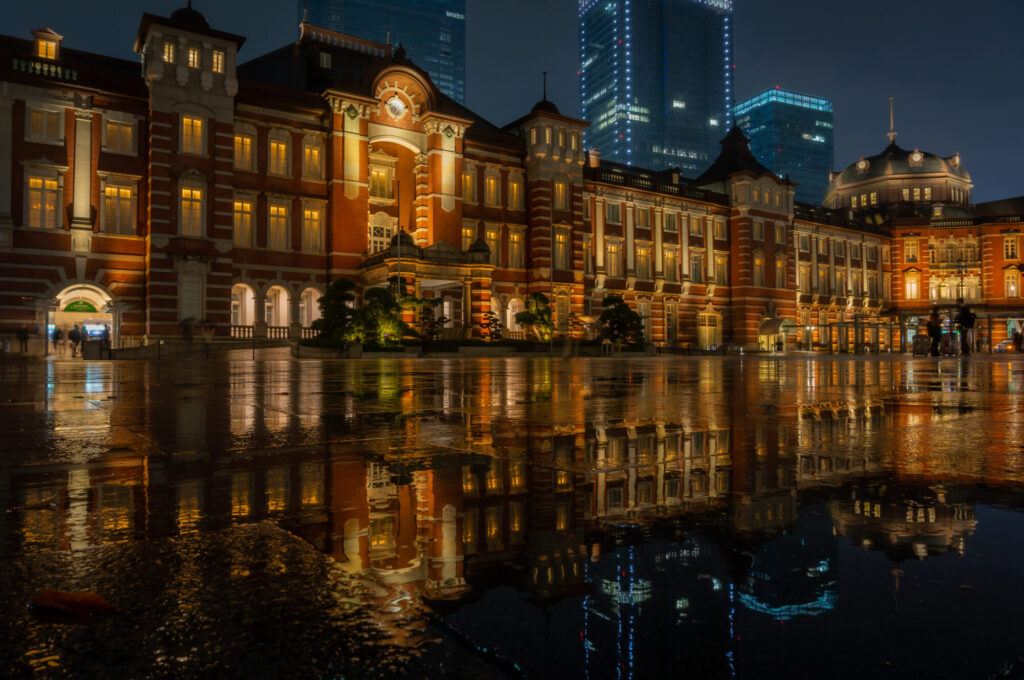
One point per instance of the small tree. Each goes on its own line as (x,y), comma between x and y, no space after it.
(537,317)
(430,323)
(575,325)
(335,310)
(378,320)
(492,326)
(621,324)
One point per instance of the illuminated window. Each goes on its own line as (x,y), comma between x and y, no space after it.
(1012,284)
(168,52)
(243,152)
(805,243)
(874,198)
(381,185)
(913,287)
(547,135)
(277,227)
(118,137)
(492,193)
(469,485)
(193,57)
(719,230)
(312,161)
(515,194)
(561,200)
(242,220)
(588,254)
(906,194)
(780,233)
(757,195)
(45,126)
(192,135)
(42,202)
(561,254)
(643,262)
(312,230)
(695,225)
(218,61)
(927,193)
(515,249)
(468,237)
(759,270)
(493,237)
(671,265)
(917,193)
(311,484)
(910,251)
(805,279)
(191,211)
(780,271)
(469,185)
(118,209)
(671,222)
(46,49)
(778,199)
(278,163)
(613,259)
(853,201)
(758,230)
(643,218)
(722,269)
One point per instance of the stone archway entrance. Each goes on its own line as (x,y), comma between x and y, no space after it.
(87,307)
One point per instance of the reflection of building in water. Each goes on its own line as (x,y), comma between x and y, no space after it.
(904,521)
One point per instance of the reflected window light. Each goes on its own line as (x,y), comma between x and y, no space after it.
(277,489)
(241,494)
(190,505)
(114,511)
(311,484)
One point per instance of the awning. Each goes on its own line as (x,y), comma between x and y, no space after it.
(772,326)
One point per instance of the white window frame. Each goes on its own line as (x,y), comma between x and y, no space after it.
(469,182)
(313,214)
(613,257)
(284,243)
(194,57)
(120,125)
(312,143)
(671,264)
(516,247)
(190,146)
(492,180)
(236,231)
(644,261)
(516,187)
(43,137)
(613,212)
(218,61)
(1011,248)
(561,248)
(492,235)
(119,183)
(279,165)
(191,228)
(244,159)
(44,172)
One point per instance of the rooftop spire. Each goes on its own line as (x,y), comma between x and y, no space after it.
(545,90)
(892,124)
(305,11)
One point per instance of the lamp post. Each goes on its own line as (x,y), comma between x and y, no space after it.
(961,269)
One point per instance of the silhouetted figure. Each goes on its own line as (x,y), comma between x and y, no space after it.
(22,334)
(74,337)
(935,330)
(965,319)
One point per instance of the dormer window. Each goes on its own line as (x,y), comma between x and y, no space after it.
(47,43)
(218,61)
(168,52)
(193,57)
(325,60)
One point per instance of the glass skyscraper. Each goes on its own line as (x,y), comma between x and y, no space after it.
(656,80)
(433,32)
(791,134)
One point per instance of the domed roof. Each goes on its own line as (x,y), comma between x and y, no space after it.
(186,17)
(545,106)
(896,161)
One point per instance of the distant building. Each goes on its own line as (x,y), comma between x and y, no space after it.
(433,32)
(791,134)
(656,80)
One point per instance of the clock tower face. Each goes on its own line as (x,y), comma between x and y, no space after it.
(396,106)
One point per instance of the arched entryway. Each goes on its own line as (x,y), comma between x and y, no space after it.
(309,310)
(709,328)
(515,305)
(277,300)
(773,334)
(243,310)
(88,308)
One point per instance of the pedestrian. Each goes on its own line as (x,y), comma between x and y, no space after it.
(105,340)
(56,338)
(1018,341)
(935,330)
(22,334)
(74,337)
(965,319)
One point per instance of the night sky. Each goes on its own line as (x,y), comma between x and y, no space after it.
(955,68)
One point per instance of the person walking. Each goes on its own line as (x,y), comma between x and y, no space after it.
(56,338)
(965,319)
(935,330)
(74,337)
(22,334)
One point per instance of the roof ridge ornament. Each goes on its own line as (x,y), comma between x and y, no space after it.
(892,123)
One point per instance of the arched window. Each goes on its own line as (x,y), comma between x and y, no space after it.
(382,228)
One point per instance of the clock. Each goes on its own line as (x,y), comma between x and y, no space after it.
(396,106)
(862,165)
(916,157)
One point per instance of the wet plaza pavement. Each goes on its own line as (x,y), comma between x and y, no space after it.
(581,518)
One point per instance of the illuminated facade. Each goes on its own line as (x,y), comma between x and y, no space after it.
(432,31)
(656,80)
(235,194)
(791,134)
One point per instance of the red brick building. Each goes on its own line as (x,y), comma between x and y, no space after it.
(200,188)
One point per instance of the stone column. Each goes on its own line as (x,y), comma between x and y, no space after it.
(294,322)
(815,284)
(259,308)
(684,249)
(709,259)
(81,206)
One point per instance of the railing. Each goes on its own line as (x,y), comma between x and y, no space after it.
(277,332)
(308,333)
(241,332)
(39,68)
(514,335)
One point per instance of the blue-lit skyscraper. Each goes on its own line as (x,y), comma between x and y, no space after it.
(656,80)
(433,32)
(791,134)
